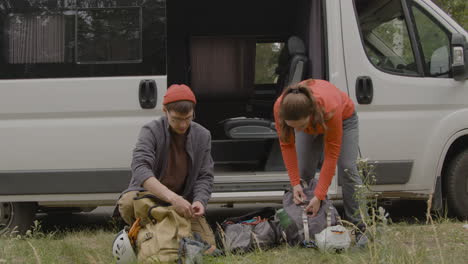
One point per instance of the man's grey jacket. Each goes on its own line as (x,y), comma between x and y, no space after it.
(151,153)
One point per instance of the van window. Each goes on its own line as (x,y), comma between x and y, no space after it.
(435,45)
(88,38)
(385,36)
(108,35)
(266,62)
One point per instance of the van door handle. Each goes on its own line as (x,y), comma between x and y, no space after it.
(148,94)
(364,90)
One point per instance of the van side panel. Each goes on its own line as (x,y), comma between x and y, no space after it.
(76,77)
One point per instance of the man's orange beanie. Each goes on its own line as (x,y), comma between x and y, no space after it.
(178,92)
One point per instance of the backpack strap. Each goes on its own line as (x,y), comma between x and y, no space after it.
(152,197)
(308,242)
(328,210)
(338,218)
(305,223)
(305,220)
(150,216)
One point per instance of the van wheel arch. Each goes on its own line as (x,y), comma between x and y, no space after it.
(458,146)
(456,184)
(16,216)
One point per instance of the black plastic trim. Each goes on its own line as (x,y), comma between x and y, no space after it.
(115,181)
(101,181)
(325,62)
(64,181)
(391,172)
(412,34)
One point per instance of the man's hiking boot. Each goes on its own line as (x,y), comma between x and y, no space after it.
(362,238)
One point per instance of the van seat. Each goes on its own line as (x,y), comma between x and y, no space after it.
(292,63)
(291,70)
(249,128)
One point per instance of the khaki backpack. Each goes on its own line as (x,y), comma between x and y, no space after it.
(162,229)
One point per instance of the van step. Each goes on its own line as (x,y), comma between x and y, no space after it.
(250,182)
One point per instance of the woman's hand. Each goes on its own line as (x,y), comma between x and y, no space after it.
(313,206)
(299,196)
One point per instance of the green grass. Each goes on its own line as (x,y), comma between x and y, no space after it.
(398,243)
(65,247)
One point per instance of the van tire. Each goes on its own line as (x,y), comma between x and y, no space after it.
(457,185)
(16,217)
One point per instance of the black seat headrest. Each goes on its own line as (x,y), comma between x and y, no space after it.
(296,45)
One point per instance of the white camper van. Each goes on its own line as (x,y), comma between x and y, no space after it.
(78,79)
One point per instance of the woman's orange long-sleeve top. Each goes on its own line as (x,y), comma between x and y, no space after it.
(336,103)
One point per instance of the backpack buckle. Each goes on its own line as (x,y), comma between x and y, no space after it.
(309,244)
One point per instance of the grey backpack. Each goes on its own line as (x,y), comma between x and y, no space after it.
(297,227)
(244,233)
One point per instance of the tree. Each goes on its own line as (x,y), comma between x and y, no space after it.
(457,9)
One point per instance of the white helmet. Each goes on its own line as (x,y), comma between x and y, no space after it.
(333,238)
(122,249)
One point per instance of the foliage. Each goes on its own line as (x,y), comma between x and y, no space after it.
(457,9)
(266,61)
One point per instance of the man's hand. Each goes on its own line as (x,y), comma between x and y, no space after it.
(299,196)
(182,206)
(313,206)
(198,209)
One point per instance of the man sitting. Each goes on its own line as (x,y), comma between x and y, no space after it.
(172,160)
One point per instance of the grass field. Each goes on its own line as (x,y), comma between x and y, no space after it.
(444,242)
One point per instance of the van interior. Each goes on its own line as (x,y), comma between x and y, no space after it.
(237,61)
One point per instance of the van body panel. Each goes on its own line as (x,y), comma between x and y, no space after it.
(402,106)
(336,59)
(446,131)
(76,126)
(336,65)
(447,146)
(75,96)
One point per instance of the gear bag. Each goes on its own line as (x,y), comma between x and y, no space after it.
(162,229)
(297,227)
(247,232)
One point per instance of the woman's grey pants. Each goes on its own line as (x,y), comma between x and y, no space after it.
(309,150)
